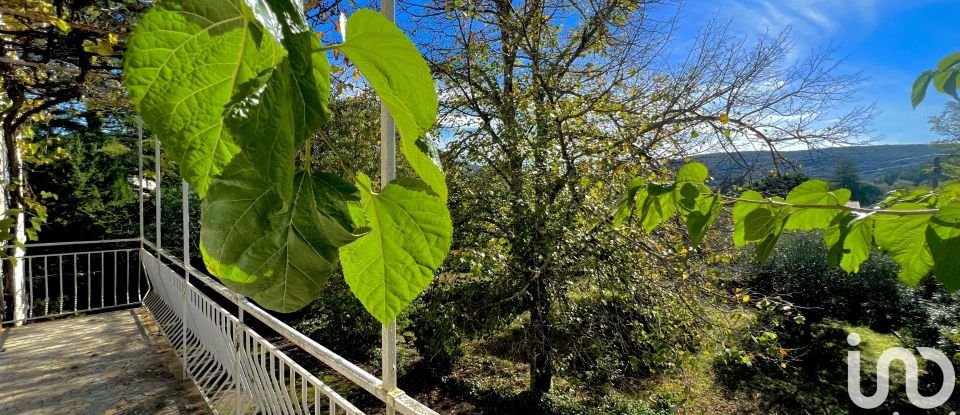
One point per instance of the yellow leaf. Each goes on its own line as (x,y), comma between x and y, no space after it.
(746,298)
(103,47)
(724,118)
(60,24)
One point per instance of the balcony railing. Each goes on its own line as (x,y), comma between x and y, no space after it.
(223,355)
(62,279)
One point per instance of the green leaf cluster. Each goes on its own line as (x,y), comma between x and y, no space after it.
(920,230)
(233,89)
(654,203)
(944,79)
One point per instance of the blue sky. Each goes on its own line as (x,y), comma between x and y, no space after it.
(890,41)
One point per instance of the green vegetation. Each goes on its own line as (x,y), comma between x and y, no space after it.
(874,162)
(586,271)
(256,89)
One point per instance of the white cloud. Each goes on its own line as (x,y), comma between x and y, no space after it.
(809,18)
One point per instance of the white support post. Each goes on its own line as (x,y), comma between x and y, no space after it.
(388,171)
(186,267)
(238,353)
(156,189)
(141,183)
(140,179)
(186,228)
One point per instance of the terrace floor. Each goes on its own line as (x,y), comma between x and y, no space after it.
(110,363)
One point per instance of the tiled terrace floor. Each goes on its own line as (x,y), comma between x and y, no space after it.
(108,363)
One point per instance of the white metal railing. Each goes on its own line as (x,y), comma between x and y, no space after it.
(236,369)
(77,277)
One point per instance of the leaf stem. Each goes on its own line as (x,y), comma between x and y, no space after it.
(326,48)
(338,156)
(868,211)
(308,156)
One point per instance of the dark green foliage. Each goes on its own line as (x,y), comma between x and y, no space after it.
(92,173)
(873,161)
(846,175)
(777,184)
(437,336)
(339,321)
(872,302)
(171,218)
(611,337)
(817,383)
(798,271)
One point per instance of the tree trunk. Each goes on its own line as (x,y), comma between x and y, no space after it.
(11,197)
(541,356)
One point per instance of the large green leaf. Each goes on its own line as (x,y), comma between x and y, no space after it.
(693,173)
(288,103)
(815,193)
(765,247)
(184,62)
(656,203)
(701,214)
(409,238)
(285,21)
(834,235)
(628,202)
(758,222)
(850,241)
(904,238)
(943,237)
(949,61)
(395,69)
(270,123)
(858,244)
(945,81)
(747,206)
(279,259)
(740,211)
(920,85)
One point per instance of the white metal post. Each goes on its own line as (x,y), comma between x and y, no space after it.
(186,267)
(388,171)
(140,180)
(156,189)
(239,350)
(186,229)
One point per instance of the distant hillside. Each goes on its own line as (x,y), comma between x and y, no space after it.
(873,161)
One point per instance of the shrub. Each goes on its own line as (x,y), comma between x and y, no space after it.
(798,271)
(614,335)
(436,335)
(339,321)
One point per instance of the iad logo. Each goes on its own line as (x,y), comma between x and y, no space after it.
(883,376)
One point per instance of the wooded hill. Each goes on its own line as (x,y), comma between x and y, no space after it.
(872,161)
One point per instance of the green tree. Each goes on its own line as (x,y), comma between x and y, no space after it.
(55,55)
(260,85)
(778,184)
(946,124)
(93,179)
(846,175)
(542,100)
